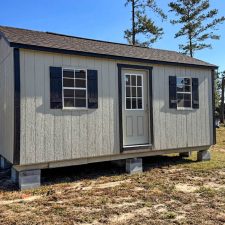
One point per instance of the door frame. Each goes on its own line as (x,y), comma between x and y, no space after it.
(151,136)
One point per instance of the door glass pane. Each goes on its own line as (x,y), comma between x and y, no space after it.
(128,103)
(127,91)
(134,94)
(139,92)
(127,80)
(139,81)
(140,103)
(133,80)
(134,103)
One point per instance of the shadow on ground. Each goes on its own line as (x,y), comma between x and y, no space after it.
(91,171)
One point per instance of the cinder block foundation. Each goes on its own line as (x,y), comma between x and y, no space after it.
(26,179)
(4,164)
(134,165)
(185,154)
(203,155)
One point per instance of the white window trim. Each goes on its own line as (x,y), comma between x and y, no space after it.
(74,108)
(190,92)
(142,86)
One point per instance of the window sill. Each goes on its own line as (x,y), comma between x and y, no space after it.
(185,109)
(75,109)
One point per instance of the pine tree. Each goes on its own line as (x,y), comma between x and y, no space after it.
(142,25)
(198,23)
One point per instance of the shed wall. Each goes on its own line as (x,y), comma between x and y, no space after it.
(55,135)
(6,100)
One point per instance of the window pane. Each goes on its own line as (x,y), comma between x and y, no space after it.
(187,81)
(180,102)
(134,94)
(187,88)
(140,103)
(187,104)
(80,74)
(133,80)
(134,103)
(68,102)
(180,96)
(68,93)
(128,92)
(68,82)
(187,97)
(139,92)
(127,80)
(80,93)
(180,88)
(139,83)
(68,73)
(128,103)
(79,102)
(180,81)
(80,83)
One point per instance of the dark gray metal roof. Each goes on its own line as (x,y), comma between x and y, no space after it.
(54,42)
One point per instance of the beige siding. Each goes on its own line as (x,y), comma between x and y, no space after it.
(6,100)
(55,135)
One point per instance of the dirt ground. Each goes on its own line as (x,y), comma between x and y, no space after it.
(170,191)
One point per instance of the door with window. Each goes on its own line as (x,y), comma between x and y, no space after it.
(135,107)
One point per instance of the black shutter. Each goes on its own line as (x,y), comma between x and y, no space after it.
(195,93)
(55,87)
(173,92)
(92,79)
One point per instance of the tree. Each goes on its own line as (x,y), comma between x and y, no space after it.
(142,25)
(198,23)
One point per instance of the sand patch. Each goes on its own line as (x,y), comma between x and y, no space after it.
(28,199)
(186,188)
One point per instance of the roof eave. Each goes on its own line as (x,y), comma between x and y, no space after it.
(91,54)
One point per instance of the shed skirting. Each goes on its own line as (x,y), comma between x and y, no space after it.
(125,155)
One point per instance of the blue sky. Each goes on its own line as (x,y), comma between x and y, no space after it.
(98,19)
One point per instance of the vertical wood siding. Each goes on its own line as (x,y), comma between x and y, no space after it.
(56,135)
(6,100)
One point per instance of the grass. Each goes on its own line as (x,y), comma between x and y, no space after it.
(170,191)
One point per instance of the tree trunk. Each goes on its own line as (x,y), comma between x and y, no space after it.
(191,47)
(222,102)
(133,23)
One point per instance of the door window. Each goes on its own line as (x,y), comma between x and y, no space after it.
(134,92)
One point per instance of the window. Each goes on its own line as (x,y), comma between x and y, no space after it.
(134,91)
(74,88)
(184,90)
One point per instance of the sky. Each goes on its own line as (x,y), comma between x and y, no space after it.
(102,20)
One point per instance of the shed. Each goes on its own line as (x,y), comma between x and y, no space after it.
(68,101)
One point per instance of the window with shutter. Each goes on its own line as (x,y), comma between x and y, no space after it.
(183,92)
(73,88)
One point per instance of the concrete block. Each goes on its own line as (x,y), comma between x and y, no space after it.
(203,155)
(26,179)
(134,165)
(185,154)
(4,164)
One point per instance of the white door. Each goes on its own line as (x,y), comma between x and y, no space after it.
(135,107)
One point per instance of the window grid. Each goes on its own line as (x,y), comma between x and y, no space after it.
(76,99)
(134,92)
(184,92)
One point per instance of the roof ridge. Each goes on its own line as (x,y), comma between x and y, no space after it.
(90,39)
